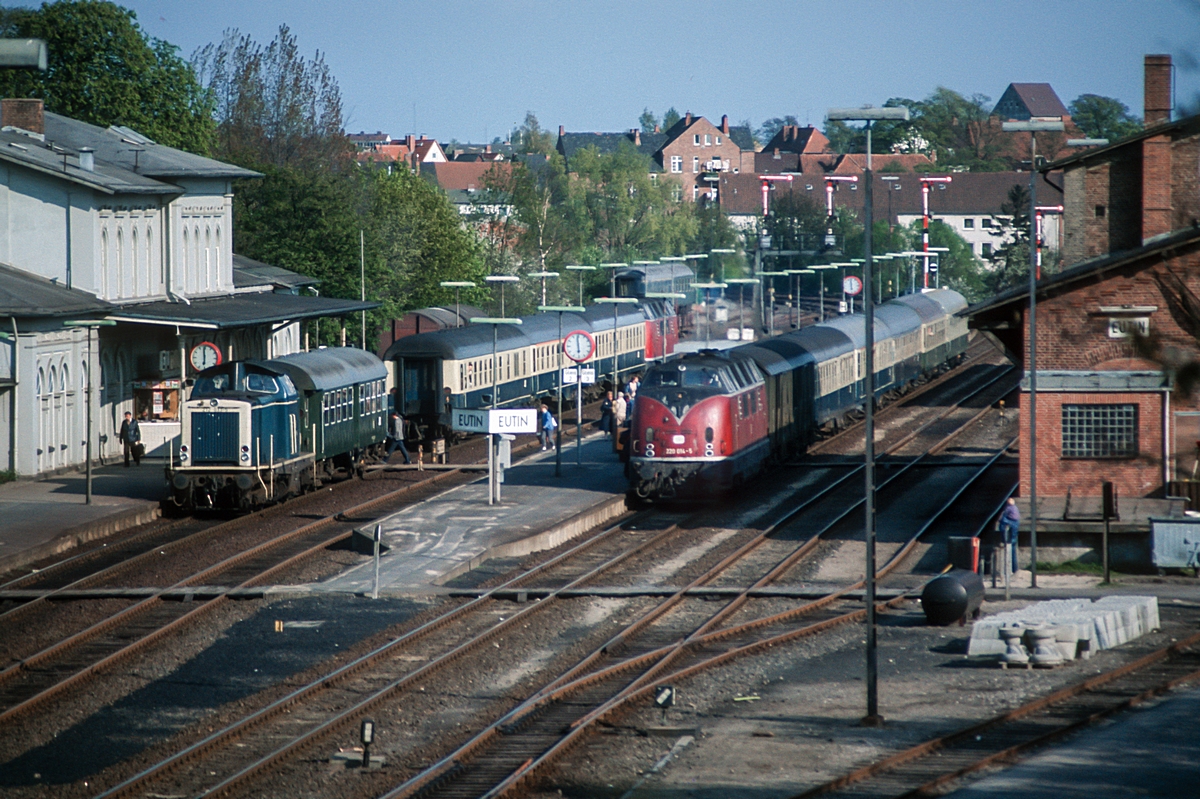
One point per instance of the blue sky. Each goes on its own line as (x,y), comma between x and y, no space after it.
(470,70)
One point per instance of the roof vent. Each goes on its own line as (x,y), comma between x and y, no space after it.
(87,159)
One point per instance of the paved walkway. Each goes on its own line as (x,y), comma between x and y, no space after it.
(41,517)
(446,535)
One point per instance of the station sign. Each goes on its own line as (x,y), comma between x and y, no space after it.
(505,420)
(570,375)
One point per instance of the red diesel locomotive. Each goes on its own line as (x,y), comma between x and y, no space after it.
(699,421)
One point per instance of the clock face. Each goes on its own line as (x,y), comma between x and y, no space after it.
(204,355)
(579,346)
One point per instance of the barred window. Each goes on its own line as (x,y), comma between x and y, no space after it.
(1099,431)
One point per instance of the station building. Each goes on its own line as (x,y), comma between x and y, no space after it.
(1118,333)
(103,225)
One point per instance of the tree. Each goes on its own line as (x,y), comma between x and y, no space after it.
(648,121)
(1012,259)
(273,106)
(1103,117)
(528,137)
(960,269)
(772,126)
(670,118)
(105,70)
(541,221)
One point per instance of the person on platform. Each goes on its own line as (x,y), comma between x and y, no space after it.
(606,413)
(620,409)
(547,427)
(631,388)
(395,439)
(131,438)
(1010,522)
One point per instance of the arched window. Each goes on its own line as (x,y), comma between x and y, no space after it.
(83,376)
(136,284)
(41,381)
(120,262)
(150,260)
(64,379)
(209,280)
(53,385)
(217,258)
(104,283)
(187,275)
(198,259)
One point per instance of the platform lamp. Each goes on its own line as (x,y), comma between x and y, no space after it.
(869,116)
(495,322)
(1033,127)
(88,324)
(706,287)
(457,285)
(719,252)
(580,270)
(616,303)
(741,283)
(560,310)
(543,276)
(502,279)
(819,268)
(669,295)
(795,299)
(769,292)
(698,256)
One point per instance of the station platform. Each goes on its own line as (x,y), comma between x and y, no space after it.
(456,531)
(42,518)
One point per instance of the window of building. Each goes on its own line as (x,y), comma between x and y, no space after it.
(677,163)
(985,222)
(707,139)
(987,249)
(1100,211)
(696,139)
(718,141)
(695,192)
(1099,431)
(968,224)
(695,163)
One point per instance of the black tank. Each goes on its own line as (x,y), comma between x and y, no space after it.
(952,597)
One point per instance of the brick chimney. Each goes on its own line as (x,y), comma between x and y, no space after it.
(636,133)
(26,114)
(410,141)
(561,131)
(657,129)
(687,119)
(1157,89)
(1156,150)
(725,124)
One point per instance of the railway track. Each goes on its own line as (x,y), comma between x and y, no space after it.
(249,748)
(936,765)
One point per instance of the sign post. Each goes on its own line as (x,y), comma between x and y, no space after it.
(560,310)
(579,347)
(495,322)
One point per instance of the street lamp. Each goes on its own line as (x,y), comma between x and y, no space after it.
(457,285)
(869,116)
(88,324)
(580,270)
(560,310)
(495,322)
(502,279)
(821,268)
(543,276)
(615,302)
(741,283)
(612,278)
(1033,127)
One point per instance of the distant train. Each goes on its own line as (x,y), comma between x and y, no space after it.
(255,432)
(453,368)
(707,422)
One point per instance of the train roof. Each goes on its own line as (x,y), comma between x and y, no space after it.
(900,319)
(927,309)
(822,341)
(334,367)
(779,354)
(951,301)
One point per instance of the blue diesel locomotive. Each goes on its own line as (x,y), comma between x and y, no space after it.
(256,432)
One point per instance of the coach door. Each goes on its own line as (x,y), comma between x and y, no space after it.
(419,386)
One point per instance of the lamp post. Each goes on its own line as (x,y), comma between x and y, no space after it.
(720,251)
(88,324)
(612,276)
(769,292)
(495,322)
(543,276)
(615,302)
(1033,126)
(457,285)
(821,268)
(869,115)
(705,287)
(580,270)
(502,279)
(741,283)
(560,310)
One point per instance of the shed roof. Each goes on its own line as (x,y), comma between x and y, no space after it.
(239,310)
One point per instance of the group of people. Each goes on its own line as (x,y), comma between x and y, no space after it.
(614,411)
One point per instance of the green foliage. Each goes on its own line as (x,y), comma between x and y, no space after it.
(1103,117)
(273,106)
(960,269)
(647,121)
(670,118)
(7,476)
(1011,262)
(528,137)
(105,70)
(309,221)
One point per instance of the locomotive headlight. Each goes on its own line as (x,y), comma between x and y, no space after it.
(245,457)
(677,439)
(212,402)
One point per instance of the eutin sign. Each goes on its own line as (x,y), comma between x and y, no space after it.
(516,420)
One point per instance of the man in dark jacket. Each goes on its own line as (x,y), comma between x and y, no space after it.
(396,437)
(131,437)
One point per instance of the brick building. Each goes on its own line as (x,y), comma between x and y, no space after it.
(1132,240)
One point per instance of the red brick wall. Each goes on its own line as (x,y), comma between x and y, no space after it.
(1073,335)
(1134,477)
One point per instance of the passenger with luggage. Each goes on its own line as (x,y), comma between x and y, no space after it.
(547,427)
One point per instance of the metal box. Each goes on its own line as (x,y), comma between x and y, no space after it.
(1175,544)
